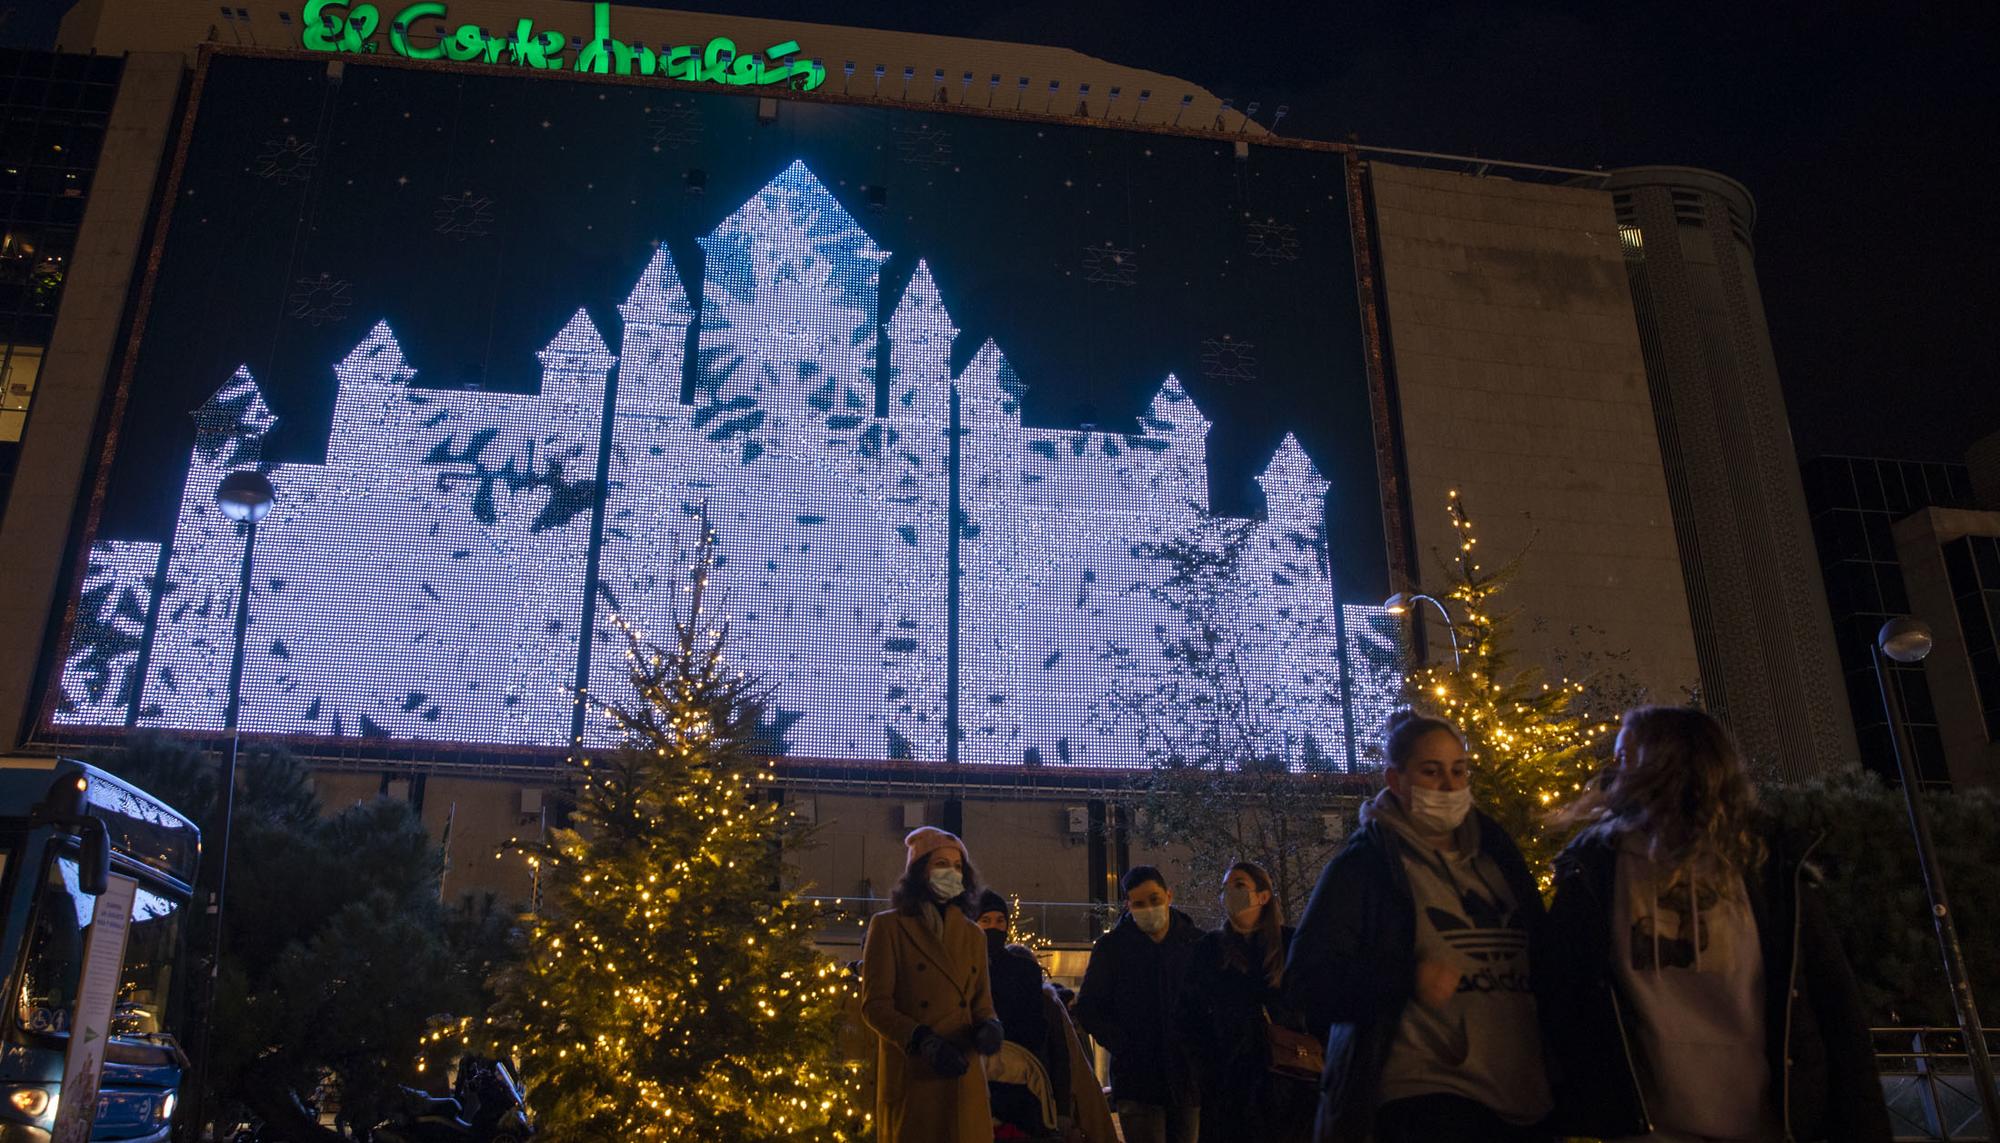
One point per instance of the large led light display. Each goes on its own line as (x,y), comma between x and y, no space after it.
(920,568)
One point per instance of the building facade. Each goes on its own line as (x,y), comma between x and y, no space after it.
(54,110)
(1511,352)
(1760,618)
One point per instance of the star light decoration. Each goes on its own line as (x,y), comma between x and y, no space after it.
(287,160)
(672,991)
(1229,360)
(924,145)
(320,300)
(464,215)
(1110,265)
(1534,744)
(673,126)
(1273,241)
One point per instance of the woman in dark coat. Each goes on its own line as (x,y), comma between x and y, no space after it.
(1691,986)
(1233,993)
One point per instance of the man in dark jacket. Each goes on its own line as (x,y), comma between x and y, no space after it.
(1816,1042)
(1130,1002)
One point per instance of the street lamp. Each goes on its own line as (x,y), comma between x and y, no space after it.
(1399,604)
(245,497)
(1907,640)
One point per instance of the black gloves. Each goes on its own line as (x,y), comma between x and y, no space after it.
(986,1036)
(938,1052)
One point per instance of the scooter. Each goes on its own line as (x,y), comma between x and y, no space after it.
(493,1110)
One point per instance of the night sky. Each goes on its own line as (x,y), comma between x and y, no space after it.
(1859,129)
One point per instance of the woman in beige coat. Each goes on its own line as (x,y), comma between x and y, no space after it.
(925,993)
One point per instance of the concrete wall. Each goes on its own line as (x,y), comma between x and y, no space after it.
(1972,757)
(1518,368)
(1021,848)
(49,485)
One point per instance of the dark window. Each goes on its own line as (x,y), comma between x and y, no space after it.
(1896,494)
(1916,690)
(1881,529)
(1961,484)
(1895,600)
(1959,566)
(1986,557)
(1868,486)
(1929,750)
(1849,534)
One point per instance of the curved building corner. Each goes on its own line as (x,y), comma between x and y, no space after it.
(1763,637)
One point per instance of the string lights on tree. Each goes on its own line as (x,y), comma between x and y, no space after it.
(1534,742)
(669,989)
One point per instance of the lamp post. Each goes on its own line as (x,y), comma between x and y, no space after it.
(1907,640)
(1399,604)
(245,497)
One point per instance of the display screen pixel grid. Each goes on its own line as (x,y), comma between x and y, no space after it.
(427,581)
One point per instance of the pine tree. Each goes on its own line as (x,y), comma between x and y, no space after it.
(1534,743)
(669,990)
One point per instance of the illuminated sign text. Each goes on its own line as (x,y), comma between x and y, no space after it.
(340,26)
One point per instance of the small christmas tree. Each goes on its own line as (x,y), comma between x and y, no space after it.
(669,991)
(1534,743)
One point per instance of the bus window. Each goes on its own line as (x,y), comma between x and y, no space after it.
(55,958)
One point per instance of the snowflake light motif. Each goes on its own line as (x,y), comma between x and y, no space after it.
(1109,265)
(673,126)
(286,160)
(924,145)
(320,300)
(1273,241)
(464,216)
(1228,360)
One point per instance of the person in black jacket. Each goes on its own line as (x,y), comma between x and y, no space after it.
(1233,993)
(1130,1003)
(1413,960)
(1692,987)
(1017,1000)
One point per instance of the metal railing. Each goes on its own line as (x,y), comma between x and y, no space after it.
(1065,924)
(1927,1082)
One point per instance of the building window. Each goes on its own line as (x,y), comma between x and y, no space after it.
(19,366)
(1632,239)
(1973,564)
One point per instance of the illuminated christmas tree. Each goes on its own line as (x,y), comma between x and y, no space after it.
(1534,742)
(669,989)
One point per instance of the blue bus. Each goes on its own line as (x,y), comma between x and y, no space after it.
(65,826)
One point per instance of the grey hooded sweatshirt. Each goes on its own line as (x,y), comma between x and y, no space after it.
(1485,1043)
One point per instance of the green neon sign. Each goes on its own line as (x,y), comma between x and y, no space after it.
(343,26)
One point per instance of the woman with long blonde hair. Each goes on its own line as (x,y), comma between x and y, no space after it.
(1690,984)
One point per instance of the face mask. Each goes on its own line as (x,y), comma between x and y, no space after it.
(1439,811)
(1237,899)
(947,883)
(996,942)
(1150,918)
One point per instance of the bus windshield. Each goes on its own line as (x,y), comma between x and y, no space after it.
(51,972)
